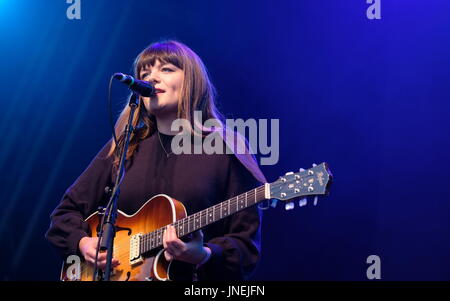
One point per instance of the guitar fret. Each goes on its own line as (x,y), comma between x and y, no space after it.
(154,240)
(182,228)
(209,214)
(222,212)
(200,219)
(196,221)
(146,242)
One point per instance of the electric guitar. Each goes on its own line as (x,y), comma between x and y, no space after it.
(138,243)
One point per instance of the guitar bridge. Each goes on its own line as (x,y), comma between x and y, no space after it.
(135,250)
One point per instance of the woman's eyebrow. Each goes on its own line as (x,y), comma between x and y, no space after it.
(148,68)
(165,64)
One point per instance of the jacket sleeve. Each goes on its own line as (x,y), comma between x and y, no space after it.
(81,199)
(235,255)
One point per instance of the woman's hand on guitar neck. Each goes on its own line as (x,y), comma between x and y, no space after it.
(192,252)
(88,248)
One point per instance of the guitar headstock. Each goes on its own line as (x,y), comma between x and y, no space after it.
(315,181)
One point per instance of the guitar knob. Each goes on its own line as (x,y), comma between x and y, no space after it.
(289,173)
(302,202)
(301,169)
(289,206)
(314,164)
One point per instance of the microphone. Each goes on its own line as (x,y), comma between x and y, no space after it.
(141,87)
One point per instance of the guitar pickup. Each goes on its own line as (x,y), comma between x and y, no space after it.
(135,250)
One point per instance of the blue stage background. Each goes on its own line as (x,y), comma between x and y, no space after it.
(370,97)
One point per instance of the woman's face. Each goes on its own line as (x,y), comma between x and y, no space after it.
(167,80)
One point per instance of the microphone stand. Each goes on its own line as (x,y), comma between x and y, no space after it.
(108,230)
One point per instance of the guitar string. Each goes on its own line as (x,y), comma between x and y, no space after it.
(153,240)
(215,209)
(189,219)
(232,201)
(156,235)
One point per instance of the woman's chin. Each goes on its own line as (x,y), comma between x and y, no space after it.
(161,110)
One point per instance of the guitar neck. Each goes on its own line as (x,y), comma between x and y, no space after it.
(206,217)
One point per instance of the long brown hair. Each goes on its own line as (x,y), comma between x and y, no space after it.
(197,94)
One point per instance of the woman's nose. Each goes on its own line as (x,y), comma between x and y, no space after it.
(154,78)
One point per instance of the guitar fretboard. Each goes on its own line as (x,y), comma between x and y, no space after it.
(204,218)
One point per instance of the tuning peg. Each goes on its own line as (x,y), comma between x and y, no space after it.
(274,203)
(316,199)
(302,202)
(289,206)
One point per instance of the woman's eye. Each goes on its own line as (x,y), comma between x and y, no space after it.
(166,69)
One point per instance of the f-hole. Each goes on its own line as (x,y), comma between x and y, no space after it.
(118,228)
